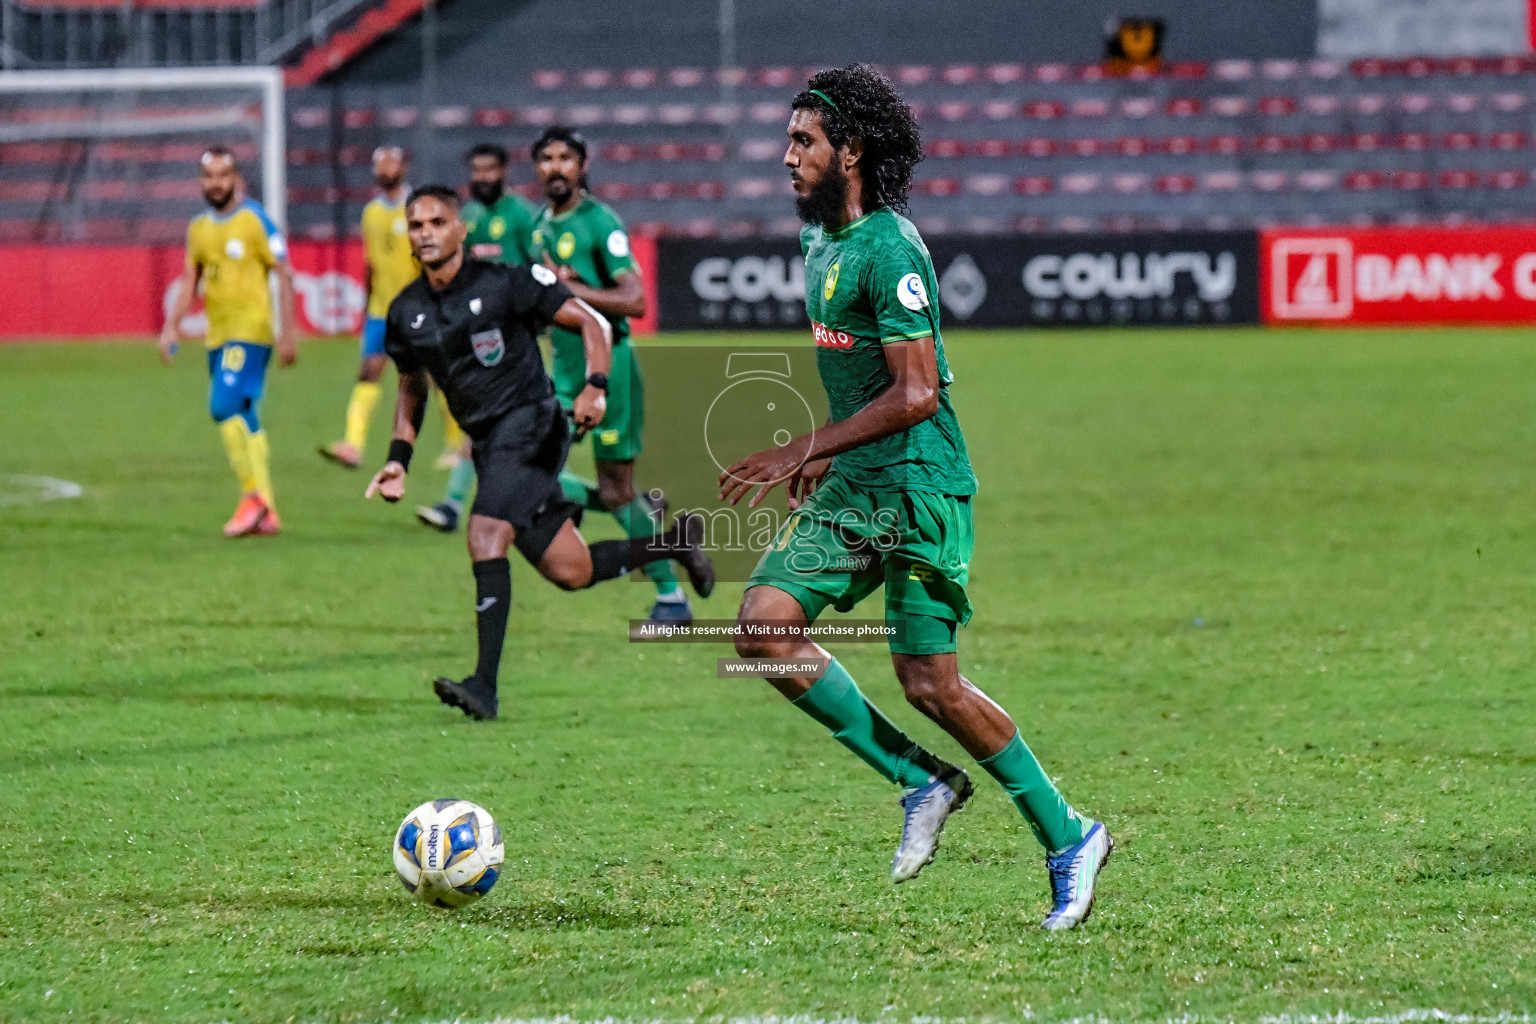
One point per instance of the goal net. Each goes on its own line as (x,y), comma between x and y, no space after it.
(110,156)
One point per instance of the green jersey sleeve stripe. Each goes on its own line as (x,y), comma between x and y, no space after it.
(906,337)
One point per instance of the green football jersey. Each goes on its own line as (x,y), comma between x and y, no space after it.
(591,240)
(868,284)
(501,233)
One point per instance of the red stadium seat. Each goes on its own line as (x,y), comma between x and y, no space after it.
(1506,140)
(989,147)
(1276,143)
(1187,106)
(1003,74)
(539,115)
(1508,102)
(1090,107)
(1224,144)
(914,74)
(1506,179)
(954,111)
(1368,103)
(1458,179)
(1232,70)
(631,113)
(1229,106)
(1176,184)
(1269,181)
(639,78)
(1081,183)
(960,74)
(944,148)
(549,79)
(1415,141)
(1321,104)
(1408,179)
(1277,105)
(1415,103)
(1039,147)
(1088,147)
(1460,140)
(1138,106)
(1000,110)
(596,78)
(777,78)
(494,117)
(1463,102)
(938,186)
(685,78)
(1317,181)
(1133,145)
(1044,109)
(1364,181)
(1033,185)
(1366,142)
(357,118)
(1320,142)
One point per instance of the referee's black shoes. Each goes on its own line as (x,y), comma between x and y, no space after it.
(471,696)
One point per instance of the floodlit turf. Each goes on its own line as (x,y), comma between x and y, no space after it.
(1262,601)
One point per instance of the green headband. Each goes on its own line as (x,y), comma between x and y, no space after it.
(826,99)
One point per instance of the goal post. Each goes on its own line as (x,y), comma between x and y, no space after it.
(88,154)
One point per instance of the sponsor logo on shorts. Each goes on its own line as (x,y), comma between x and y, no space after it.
(542,274)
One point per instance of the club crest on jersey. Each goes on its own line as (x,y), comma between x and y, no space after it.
(488,346)
(475,306)
(831,285)
(234,249)
(498,227)
(911,293)
(826,337)
(566,247)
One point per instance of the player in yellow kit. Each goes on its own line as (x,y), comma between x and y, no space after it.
(390,267)
(232,250)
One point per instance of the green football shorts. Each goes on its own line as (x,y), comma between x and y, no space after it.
(618,437)
(843,544)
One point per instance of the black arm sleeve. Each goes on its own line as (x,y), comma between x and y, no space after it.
(537,295)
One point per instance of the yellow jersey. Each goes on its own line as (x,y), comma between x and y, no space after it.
(390,263)
(235,252)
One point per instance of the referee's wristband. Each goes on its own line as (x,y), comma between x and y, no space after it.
(400,451)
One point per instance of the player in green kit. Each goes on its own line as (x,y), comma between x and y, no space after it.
(500,229)
(585,244)
(881,494)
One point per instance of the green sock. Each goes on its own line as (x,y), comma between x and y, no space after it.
(636,520)
(835,702)
(1054,823)
(459,480)
(581,492)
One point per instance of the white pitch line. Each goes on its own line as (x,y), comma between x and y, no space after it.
(36,489)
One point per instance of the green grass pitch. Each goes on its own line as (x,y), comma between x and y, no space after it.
(1261,600)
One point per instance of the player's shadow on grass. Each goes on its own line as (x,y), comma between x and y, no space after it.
(308,626)
(1461,863)
(574,914)
(170,688)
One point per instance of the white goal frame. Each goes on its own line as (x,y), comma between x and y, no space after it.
(269,80)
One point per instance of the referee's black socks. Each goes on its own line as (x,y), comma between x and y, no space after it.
(493,599)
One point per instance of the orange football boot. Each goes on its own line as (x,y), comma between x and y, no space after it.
(269,524)
(248,516)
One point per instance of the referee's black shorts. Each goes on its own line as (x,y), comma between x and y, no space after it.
(518,462)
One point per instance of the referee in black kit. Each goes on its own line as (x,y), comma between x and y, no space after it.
(473,327)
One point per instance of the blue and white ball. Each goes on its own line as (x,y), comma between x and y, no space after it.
(448,853)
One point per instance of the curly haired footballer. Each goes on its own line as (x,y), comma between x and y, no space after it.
(864,104)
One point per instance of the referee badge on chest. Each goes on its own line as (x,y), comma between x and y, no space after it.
(488,346)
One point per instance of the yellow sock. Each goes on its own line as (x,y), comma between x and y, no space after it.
(365,398)
(453,434)
(237,442)
(261,472)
